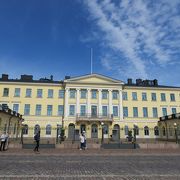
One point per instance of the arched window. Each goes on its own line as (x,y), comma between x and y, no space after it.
(48,129)
(164,131)
(146,131)
(25,129)
(156,131)
(126,129)
(36,128)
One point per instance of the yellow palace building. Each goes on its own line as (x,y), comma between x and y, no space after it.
(90,102)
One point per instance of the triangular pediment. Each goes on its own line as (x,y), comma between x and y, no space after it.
(94,78)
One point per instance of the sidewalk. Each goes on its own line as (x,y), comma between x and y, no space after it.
(94,152)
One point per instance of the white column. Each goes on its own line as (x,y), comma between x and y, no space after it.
(77,102)
(110,101)
(99,101)
(88,101)
(66,102)
(120,105)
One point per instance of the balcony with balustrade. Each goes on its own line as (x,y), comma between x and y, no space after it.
(86,117)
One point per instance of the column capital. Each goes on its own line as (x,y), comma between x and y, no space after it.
(110,90)
(77,89)
(99,89)
(67,89)
(88,89)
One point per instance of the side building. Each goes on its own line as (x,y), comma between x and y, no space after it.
(100,105)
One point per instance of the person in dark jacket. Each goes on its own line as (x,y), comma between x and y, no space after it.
(37,139)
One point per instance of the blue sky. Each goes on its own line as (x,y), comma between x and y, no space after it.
(130,39)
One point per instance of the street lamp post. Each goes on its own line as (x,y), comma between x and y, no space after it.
(102,139)
(22,132)
(57,135)
(176,135)
(135,129)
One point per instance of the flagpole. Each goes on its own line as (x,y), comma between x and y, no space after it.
(91,59)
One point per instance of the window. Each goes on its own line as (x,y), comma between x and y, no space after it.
(38,109)
(115,110)
(153,96)
(60,110)
(104,110)
(50,93)
(163,97)
(72,93)
(126,130)
(49,110)
(135,112)
(134,95)
(155,113)
(156,131)
(173,110)
(104,94)
(164,111)
(16,107)
(83,110)
(6,92)
(27,109)
(115,94)
(146,131)
(94,94)
(72,110)
(48,129)
(39,93)
(36,128)
(124,95)
(61,93)
(125,111)
(17,92)
(172,97)
(144,96)
(145,112)
(25,129)
(83,94)
(28,92)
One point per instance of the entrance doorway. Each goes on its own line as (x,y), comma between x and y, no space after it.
(105,130)
(116,132)
(94,131)
(71,129)
(83,128)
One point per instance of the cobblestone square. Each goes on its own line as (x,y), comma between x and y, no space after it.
(89,165)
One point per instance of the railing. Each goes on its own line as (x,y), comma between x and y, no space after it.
(97,117)
(171,116)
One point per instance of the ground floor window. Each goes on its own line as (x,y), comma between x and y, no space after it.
(146,131)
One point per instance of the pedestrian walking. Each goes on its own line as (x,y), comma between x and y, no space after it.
(85,142)
(81,137)
(37,139)
(6,141)
(3,141)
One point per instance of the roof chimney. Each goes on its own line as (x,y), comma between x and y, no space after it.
(26,77)
(5,77)
(67,77)
(129,81)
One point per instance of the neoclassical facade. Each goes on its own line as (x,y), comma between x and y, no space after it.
(91,102)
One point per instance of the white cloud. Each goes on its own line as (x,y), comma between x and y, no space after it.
(138,29)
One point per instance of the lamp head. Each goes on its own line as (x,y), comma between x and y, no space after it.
(102,123)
